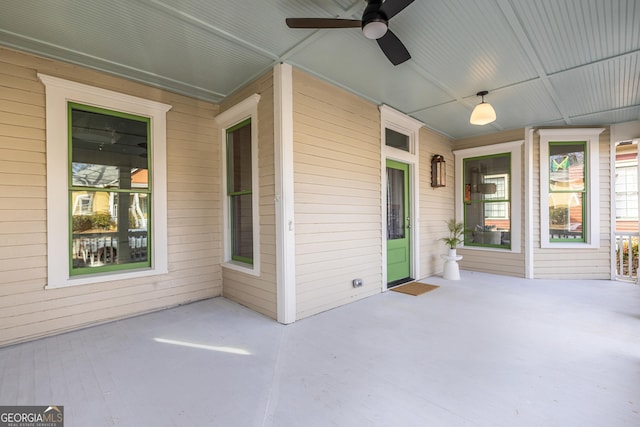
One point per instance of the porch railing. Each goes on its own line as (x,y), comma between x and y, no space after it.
(627,255)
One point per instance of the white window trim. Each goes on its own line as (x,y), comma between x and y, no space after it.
(400,122)
(592,229)
(58,93)
(514,148)
(245,109)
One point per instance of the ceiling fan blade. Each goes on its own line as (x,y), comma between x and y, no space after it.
(393,48)
(322,23)
(392,7)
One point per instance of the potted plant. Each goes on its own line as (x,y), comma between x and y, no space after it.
(456,236)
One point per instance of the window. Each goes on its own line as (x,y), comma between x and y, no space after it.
(239,135)
(567,191)
(106,157)
(487,201)
(489,197)
(239,191)
(627,190)
(569,196)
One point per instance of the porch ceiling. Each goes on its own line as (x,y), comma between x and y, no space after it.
(575,62)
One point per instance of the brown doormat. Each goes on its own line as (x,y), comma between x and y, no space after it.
(414,288)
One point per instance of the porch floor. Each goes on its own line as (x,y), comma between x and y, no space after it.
(483,351)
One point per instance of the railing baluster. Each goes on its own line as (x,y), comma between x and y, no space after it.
(628,239)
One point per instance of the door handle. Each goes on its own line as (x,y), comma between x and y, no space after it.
(408,222)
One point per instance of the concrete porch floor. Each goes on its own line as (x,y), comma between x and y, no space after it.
(483,351)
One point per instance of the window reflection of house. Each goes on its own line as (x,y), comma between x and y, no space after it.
(626,186)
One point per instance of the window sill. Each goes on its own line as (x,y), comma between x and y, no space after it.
(490,249)
(242,267)
(89,279)
(569,245)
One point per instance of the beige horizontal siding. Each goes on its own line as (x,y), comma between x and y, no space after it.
(337,184)
(504,263)
(259,293)
(436,204)
(29,311)
(488,139)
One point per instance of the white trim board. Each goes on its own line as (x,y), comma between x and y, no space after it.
(284,199)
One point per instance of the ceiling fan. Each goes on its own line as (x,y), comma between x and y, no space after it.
(374,24)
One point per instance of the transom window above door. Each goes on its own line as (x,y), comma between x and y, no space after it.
(397,140)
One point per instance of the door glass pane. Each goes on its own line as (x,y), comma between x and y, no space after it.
(395,204)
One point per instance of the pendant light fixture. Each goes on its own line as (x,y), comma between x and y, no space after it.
(483,113)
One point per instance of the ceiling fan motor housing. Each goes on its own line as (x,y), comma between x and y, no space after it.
(374,25)
(374,21)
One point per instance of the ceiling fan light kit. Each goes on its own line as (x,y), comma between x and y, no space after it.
(373,30)
(374,24)
(483,113)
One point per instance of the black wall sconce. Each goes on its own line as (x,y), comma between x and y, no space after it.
(438,171)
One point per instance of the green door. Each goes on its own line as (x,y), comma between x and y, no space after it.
(398,223)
